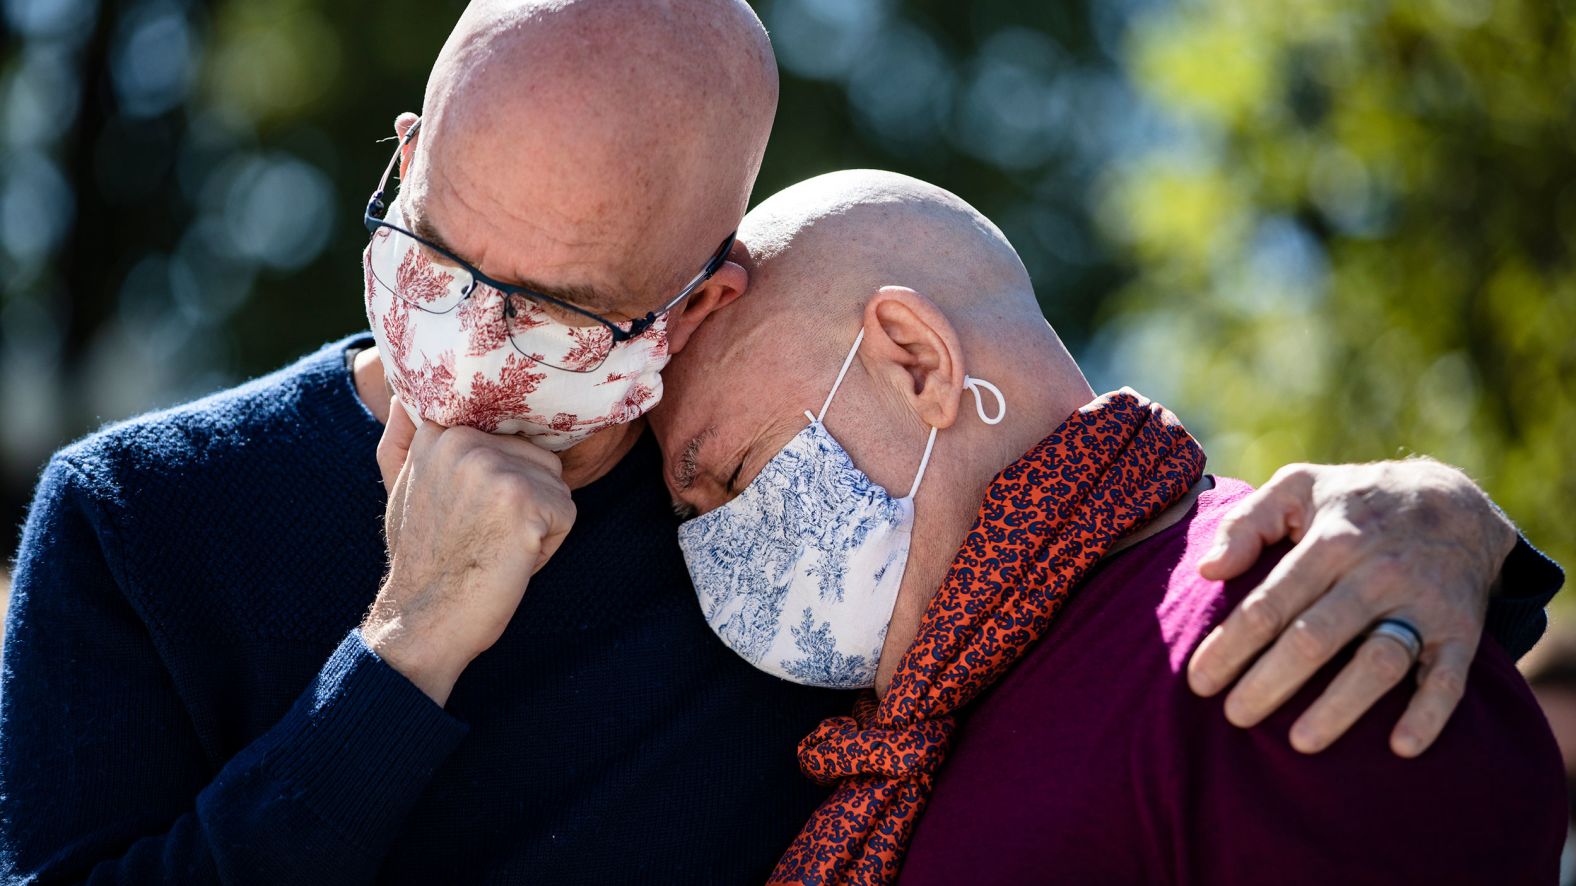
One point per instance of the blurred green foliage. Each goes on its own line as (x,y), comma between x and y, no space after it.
(1362,241)
(1319,230)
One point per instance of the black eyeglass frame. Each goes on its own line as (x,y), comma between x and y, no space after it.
(376,210)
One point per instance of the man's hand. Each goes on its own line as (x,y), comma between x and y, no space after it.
(1415,540)
(471,517)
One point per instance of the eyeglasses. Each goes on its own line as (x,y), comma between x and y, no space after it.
(522,307)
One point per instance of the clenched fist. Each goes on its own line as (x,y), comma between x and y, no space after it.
(471,517)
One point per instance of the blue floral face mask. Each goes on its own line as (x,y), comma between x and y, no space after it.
(800,572)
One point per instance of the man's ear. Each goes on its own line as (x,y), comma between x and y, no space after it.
(910,344)
(727,284)
(402,125)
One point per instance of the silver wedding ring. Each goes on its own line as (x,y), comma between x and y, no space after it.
(1401,631)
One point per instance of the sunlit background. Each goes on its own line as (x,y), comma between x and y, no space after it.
(1321,230)
(1318,229)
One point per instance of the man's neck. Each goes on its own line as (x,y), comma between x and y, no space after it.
(591,460)
(584,463)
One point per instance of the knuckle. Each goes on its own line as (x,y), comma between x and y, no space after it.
(1312,638)
(517,491)
(1261,617)
(1289,473)
(1425,717)
(537,528)
(424,431)
(1428,473)
(551,460)
(550,502)
(478,461)
(1448,682)
(1340,538)
(434,435)
(387,447)
(549,487)
(448,444)
(1386,660)
(1235,522)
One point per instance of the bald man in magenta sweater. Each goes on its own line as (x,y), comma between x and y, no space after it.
(1042,635)
(232,656)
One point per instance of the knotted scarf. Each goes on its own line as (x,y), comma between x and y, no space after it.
(1046,519)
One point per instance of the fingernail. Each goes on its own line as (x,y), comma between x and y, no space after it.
(1406,744)
(1203,684)
(1235,712)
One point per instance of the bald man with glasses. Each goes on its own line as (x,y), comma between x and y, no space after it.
(283,634)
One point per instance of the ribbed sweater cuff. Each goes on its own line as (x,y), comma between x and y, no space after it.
(361,744)
(1527,582)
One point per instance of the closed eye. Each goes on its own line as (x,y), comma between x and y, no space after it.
(688,464)
(734,478)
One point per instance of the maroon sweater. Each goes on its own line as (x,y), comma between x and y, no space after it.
(1092,762)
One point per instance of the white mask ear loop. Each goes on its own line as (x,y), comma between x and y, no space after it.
(847,362)
(974,384)
(924,462)
(979,405)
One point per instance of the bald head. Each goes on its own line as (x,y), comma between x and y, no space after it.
(940,294)
(595,148)
(877,214)
(822,247)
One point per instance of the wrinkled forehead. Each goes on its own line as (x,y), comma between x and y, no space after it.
(585,227)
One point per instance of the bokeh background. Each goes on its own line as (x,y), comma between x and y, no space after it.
(1318,229)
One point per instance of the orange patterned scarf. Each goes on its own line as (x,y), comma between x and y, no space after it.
(1046,519)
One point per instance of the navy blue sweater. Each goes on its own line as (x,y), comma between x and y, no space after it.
(185,699)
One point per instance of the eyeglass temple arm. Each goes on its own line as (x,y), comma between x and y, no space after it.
(376,208)
(636,327)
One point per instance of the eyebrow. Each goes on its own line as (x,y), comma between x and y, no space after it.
(589,297)
(684,473)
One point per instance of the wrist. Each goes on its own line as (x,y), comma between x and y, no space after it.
(1500,537)
(1491,527)
(427,666)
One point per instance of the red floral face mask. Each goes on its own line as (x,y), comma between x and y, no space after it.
(456,354)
